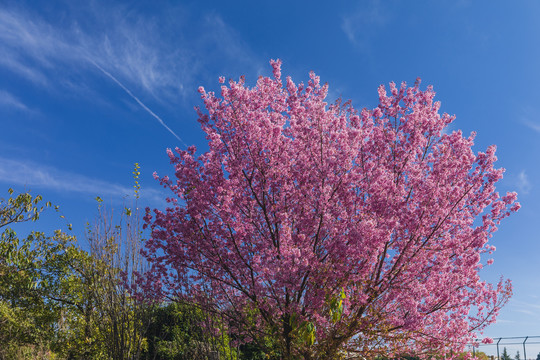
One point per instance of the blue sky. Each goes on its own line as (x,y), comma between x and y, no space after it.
(87,90)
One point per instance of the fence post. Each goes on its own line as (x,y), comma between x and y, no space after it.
(525,351)
(498,356)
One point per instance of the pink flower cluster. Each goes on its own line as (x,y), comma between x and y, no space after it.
(297,200)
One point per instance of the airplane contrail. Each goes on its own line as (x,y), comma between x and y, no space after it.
(138,101)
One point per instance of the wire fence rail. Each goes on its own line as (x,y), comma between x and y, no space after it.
(500,342)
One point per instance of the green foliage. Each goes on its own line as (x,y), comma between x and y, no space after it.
(505,355)
(115,240)
(304,331)
(265,347)
(335,305)
(21,208)
(183,332)
(137,186)
(479,355)
(58,301)
(52,293)
(38,286)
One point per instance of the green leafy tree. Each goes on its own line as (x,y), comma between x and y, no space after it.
(517,357)
(17,281)
(505,355)
(53,294)
(180,331)
(59,301)
(39,290)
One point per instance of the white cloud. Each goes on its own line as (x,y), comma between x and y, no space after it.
(150,59)
(525,305)
(221,36)
(523,184)
(32,47)
(525,311)
(10,101)
(359,26)
(140,103)
(518,307)
(12,61)
(532,125)
(163,59)
(33,175)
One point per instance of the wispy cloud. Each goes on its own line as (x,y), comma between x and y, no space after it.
(525,311)
(159,61)
(10,101)
(33,48)
(221,37)
(517,307)
(525,305)
(12,61)
(522,183)
(139,102)
(162,58)
(32,175)
(532,125)
(360,25)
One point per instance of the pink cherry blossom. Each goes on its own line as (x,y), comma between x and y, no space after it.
(487,340)
(297,201)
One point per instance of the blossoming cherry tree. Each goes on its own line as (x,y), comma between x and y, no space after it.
(329,229)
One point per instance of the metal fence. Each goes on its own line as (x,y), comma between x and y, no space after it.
(529,344)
